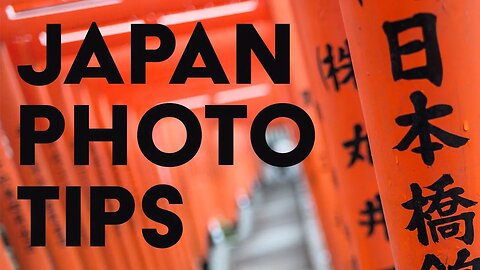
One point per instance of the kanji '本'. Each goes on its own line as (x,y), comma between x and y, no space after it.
(355,143)
(433,69)
(336,65)
(461,263)
(421,128)
(445,204)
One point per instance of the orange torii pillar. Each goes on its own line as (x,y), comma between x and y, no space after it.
(15,214)
(330,68)
(327,199)
(36,175)
(5,260)
(418,65)
(318,169)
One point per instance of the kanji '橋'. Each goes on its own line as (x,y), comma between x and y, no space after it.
(446,204)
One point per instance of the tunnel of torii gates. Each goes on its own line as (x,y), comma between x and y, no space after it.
(405,197)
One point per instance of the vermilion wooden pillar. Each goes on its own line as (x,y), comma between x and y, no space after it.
(418,65)
(334,86)
(318,168)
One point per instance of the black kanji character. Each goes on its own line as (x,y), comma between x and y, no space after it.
(445,204)
(420,126)
(355,143)
(319,111)
(461,263)
(432,261)
(374,214)
(344,63)
(433,70)
(355,265)
(307,97)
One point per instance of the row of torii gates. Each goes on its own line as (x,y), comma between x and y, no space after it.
(391,87)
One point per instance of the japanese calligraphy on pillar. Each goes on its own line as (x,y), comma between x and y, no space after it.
(440,211)
(374,216)
(446,204)
(443,214)
(420,127)
(359,139)
(433,70)
(462,262)
(336,66)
